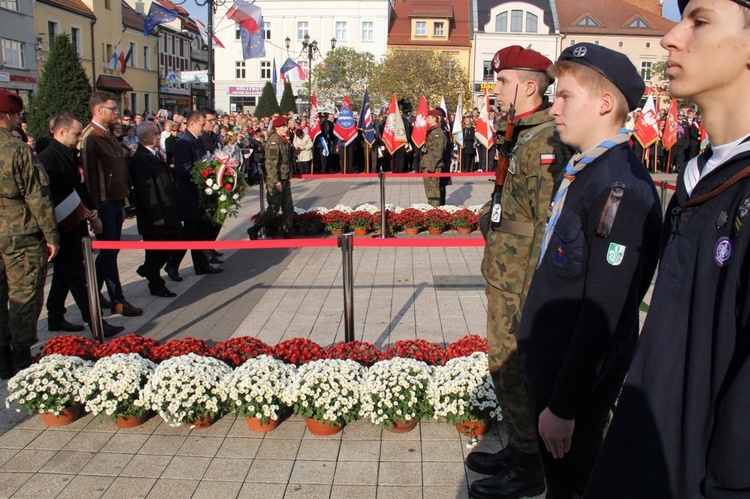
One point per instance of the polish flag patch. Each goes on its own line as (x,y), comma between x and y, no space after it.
(546,159)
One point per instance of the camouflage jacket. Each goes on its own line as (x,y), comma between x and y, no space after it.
(432,152)
(26,206)
(512,251)
(277,159)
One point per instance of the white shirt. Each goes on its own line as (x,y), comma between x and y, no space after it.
(720,155)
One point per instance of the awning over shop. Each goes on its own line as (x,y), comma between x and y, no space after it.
(109,82)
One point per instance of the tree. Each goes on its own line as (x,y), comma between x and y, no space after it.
(287,100)
(344,72)
(267,105)
(63,87)
(411,73)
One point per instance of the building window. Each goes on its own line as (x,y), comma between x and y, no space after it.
(620,44)
(75,40)
(531,22)
(182,48)
(648,45)
(587,21)
(108,4)
(13,53)
(341,30)
(265,70)
(147,102)
(239,70)
(51,32)
(267,30)
(9,4)
(572,42)
(439,29)
(421,29)
(106,52)
(646,71)
(501,22)
(146,57)
(237,32)
(639,23)
(367,31)
(487,73)
(516,21)
(596,42)
(301,30)
(134,102)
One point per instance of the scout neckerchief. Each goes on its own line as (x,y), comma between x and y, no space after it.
(577,163)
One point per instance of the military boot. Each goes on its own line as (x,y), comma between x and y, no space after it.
(21,358)
(487,463)
(522,477)
(6,362)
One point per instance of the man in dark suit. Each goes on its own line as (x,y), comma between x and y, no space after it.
(187,151)
(156,205)
(211,143)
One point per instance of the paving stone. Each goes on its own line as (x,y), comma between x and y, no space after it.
(28,460)
(200,446)
(399,492)
(88,441)
(163,444)
(167,489)
(442,473)
(319,472)
(65,461)
(125,443)
(146,466)
(6,455)
(438,431)
(11,481)
(226,469)
(442,450)
(409,450)
(43,486)
(307,491)
(270,471)
(289,429)
(361,430)
(400,473)
(211,490)
(278,449)
(239,448)
(359,450)
(146,428)
(107,464)
(104,424)
(356,473)
(129,487)
(262,491)
(446,492)
(313,450)
(350,491)
(186,468)
(87,486)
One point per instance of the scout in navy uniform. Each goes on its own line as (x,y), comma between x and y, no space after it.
(682,425)
(599,252)
(433,159)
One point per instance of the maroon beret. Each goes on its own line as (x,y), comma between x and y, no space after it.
(517,57)
(435,112)
(10,102)
(280,121)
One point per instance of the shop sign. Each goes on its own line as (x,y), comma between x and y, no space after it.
(245,90)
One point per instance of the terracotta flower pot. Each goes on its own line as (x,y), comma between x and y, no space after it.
(434,231)
(360,232)
(255,425)
(411,231)
(463,231)
(130,421)
(402,426)
(66,417)
(201,423)
(336,233)
(473,428)
(322,429)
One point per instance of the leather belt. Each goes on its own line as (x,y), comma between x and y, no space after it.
(516,228)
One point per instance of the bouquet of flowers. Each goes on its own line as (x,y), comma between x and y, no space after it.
(437,219)
(131,343)
(466,346)
(72,346)
(175,348)
(411,218)
(431,353)
(220,185)
(359,351)
(187,388)
(113,387)
(236,351)
(336,220)
(51,385)
(465,219)
(462,390)
(298,351)
(396,390)
(328,391)
(259,388)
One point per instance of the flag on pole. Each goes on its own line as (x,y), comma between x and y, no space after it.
(126,59)
(419,130)
(703,134)
(249,16)
(293,71)
(445,110)
(485,131)
(647,124)
(253,44)
(314,128)
(113,60)
(345,128)
(273,75)
(458,131)
(394,132)
(365,120)
(157,14)
(671,127)
(204,33)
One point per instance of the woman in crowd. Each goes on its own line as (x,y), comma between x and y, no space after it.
(469,153)
(304,147)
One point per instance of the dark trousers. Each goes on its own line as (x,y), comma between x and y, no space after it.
(111,215)
(67,276)
(193,230)
(567,477)
(156,259)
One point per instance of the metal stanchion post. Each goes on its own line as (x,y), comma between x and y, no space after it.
(383,211)
(345,242)
(93,290)
(663,195)
(262,188)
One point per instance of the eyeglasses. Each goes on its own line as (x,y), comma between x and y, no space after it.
(125,119)
(111,108)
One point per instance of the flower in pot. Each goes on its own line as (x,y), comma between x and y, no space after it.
(131,343)
(411,218)
(184,346)
(336,220)
(359,351)
(465,219)
(113,386)
(187,389)
(72,346)
(235,351)
(298,351)
(311,222)
(259,389)
(51,386)
(462,391)
(466,346)
(432,354)
(327,391)
(437,219)
(394,393)
(360,220)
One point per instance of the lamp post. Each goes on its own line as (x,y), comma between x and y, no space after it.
(310,51)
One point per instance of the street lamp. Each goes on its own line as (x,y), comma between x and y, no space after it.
(310,51)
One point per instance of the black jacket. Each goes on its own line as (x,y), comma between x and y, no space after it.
(187,151)
(155,194)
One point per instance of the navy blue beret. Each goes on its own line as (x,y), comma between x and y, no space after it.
(683,3)
(613,65)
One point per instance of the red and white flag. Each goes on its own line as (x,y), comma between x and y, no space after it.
(485,129)
(247,15)
(647,124)
(394,132)
(671,127)
(204,33)
(419,130)
(314,118)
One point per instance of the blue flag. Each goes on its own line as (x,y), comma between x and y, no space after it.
(253,44)
(157,15)
(273,75)
(365,120)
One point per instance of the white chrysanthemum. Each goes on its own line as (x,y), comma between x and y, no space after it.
(223,197)
(343,207)
(368,207)
(299,211)
(476,208)
(394,208)
(423,207)
(259,388)
(209,181)
(114,385)
(449,208)
(319,209)
(208,191)
(328,390)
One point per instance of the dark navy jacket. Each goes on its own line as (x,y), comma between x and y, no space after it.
(187,151)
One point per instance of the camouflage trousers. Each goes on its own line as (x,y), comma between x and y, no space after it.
(23,269)
(278,200)
(506,367)
(432,189)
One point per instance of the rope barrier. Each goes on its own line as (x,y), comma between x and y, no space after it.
(406,175)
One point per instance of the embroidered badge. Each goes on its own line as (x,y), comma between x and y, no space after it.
(512,165)
(546,159)
(721,220)
(615,254)
(742,213)
(559,257)
(722,251)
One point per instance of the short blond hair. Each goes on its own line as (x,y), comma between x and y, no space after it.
(595,83)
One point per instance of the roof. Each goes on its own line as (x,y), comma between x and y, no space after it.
(612,17)
(75,6)
(109,82)
(130,18)
(455,11)
(484,7)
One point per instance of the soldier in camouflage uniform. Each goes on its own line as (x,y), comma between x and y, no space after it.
(278,185)
(510,256)
(432,160)
(28,240)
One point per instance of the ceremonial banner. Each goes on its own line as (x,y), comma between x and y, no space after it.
(314,129)
(457,131)
(419,130)
(485,129)
(345,128)
(394,132)
(365,120)
(647,124)
(671,127)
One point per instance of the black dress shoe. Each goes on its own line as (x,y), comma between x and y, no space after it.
(172,273)
(141,271)
(6,362)
(64,325)
(516,480)
(252,232)
(215,260)
(488,463)
(164,293)
(209,270)
(216,253)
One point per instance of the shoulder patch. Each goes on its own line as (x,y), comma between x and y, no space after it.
(546,159)
(273,143)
